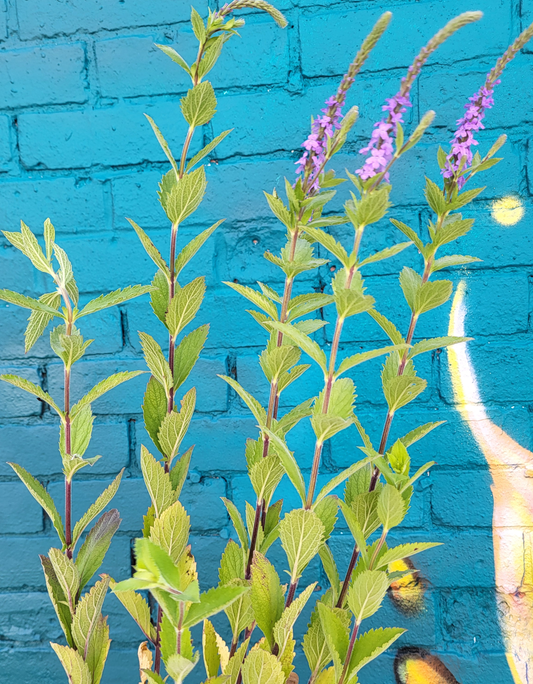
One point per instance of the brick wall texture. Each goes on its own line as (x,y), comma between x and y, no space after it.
(76,77)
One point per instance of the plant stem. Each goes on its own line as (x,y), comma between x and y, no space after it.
(68,484)
(253,540)
(291,593)
(346,583)
(157,661)
(349,653)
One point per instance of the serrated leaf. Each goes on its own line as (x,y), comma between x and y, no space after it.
(174,56)
(88,611)
(104,386)
(210,649)
(284,626)
(302,535)
(433,294)
(266,596)
(192,247)
(58,598)
(73,664)
(257,298)
(156,362)
(410,233)
(350,298)
(178,473)
(186,354)
(164,145)
(261,667)
(157,482)
(289,463)
(306,344)
(38,320)
(435,343)
(452,230)
(402,551)
(184,305)
(98,649)
(183,198)
(419,432)
(356,359)
(328,242)
(139,610)
(464,198)
(237,522)
(255,407)
(366,593)
(67,575)
(31,388)
(388,327)
(96,508)
(435,197)
(452,260)
(340,478)
(114,299)
(336,634)
(302,305)
(402,389)
(94,548)
(386,253)
(207,149)
(212,602)
(150,248)
(199,105)
(372,644)
(155,407)
(171,531)
(330,568)
(231,563)
(391,507)
(27,302)
(265,477)
(175,425)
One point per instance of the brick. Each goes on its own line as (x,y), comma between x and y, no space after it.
(15,402)
(331,35)
(26,445)
(72,205)
(27,619)
(103,327)
(6,137)
(461,498)
(113,136)
(207,551)
(156,74)
(19,512)
(42,76)
(52,18)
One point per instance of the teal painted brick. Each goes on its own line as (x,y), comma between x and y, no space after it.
(461,498)
(14,402)
(53,17)
(5,143)
(35,447)
(42,76)
(207,551)
(333,36)
(26,619)
(113,136)
(156,74)
(19,512)
(71,204)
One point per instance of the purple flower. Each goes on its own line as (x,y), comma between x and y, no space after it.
(467,125)
(381,148)
(312,161)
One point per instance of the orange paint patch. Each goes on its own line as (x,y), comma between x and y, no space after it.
(407,593)
(416,666)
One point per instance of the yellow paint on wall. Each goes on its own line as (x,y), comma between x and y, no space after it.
(508,210)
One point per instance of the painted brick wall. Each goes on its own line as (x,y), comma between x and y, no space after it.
(76,77)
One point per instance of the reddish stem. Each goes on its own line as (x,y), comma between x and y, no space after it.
(68,484)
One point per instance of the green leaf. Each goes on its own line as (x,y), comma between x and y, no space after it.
(94,548)
(402,551)
(411,284)
(399,458)
(435,343)
(179,471)
(233,668)
(289,463)
(240,614)
(257,298)
(211,55)
(206,150)
(302,535)
(156,362)
(261,667)
(350,300)
(42,497)
(391,507)
(67,575)
(49,238)
(365,509)
(184,196)
(340,478)
(31,388)
(237,522)
(184,305)
(433,294)
(435,197)
(96,508)
(66,276)
(175,425)
(153,678)
(139,610)
(88,612)
(155,406)
(104,386)
(160,296)
(29,246)
(279,360)
(70,348)
(150,248)
(212,602)
(388,327)
(385,253)
(284,626)
(327,510)
(198,26)
(164,146)
(453,228)
(279,210)
(372,644)
(266,595)
(174,56)
(402,389)
(307,303)
(464,198)
(193,246)
(210,649)
(356,359)
(231,563)
(73,664)
(265,477)
(255,407)
(328,242)
(330,568)
(410,233)
(452,260)
(371,208)
(199,105)
(306,344)
(336,633)
(366,593)
(38,320)
(58,598)
(157,482)
(98,649)
(419,432)
(170,531)
(339,415)
(354,527)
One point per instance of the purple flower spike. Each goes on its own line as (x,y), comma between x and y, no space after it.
(463,140)
(312,161)
(380,147)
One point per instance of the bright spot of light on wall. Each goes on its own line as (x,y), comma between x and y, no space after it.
(508,210)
